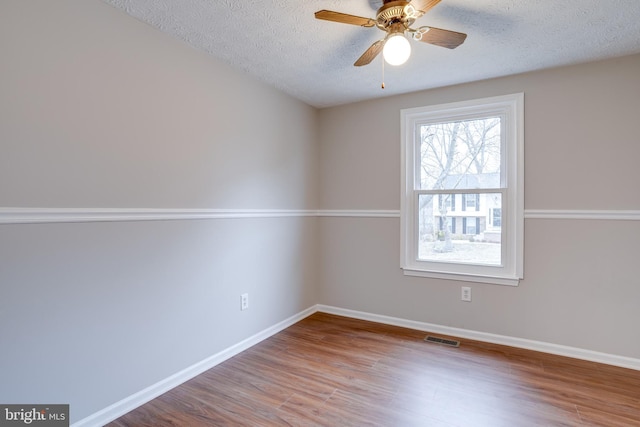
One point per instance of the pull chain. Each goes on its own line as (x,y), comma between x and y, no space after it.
(382,73)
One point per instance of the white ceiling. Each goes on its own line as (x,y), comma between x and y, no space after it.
(281,43)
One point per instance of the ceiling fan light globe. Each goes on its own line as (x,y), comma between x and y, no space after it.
(397,49)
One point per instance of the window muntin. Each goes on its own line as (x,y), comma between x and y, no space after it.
(462,175)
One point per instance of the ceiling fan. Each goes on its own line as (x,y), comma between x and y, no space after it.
(395,17)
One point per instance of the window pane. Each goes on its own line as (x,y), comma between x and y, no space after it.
(470,200)
(497,217)
(460,155)
(468,237)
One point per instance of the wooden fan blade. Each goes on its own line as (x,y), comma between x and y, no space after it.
(370,53)
(329,15)
(444,38)
(423,6)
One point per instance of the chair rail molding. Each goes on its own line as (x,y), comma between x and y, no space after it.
(608,215)
(17,215)
(55,215)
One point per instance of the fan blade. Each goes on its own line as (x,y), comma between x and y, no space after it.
(423,6)
(370,53)
(444,38)
(329,15)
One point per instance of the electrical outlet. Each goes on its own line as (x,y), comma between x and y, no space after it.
(466,294)
(244,301)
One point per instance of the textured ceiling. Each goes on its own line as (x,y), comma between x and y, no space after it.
(281,43)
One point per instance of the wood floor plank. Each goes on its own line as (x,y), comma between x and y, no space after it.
(332,371)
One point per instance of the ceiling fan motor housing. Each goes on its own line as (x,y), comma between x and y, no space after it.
(394,12)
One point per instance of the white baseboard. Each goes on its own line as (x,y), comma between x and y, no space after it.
(560,350)
(128,404)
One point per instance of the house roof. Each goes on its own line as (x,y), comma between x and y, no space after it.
(471,181)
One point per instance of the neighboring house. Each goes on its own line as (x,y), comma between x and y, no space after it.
(466,216)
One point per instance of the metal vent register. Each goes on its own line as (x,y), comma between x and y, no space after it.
(443,341)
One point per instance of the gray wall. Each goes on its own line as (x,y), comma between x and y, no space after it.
(100,111)
(580,287)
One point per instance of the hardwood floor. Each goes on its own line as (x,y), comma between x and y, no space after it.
(334,371)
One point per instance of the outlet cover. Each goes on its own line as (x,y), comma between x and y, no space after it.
(466,294)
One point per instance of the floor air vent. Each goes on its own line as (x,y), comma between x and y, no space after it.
(443,341)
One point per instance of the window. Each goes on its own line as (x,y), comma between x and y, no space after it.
(471,202)
(471,226)
(446,201)
(470,153)
(496,215)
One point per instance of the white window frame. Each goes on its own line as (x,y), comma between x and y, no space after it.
(511,110)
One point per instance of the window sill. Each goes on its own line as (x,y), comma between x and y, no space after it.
(502,280)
